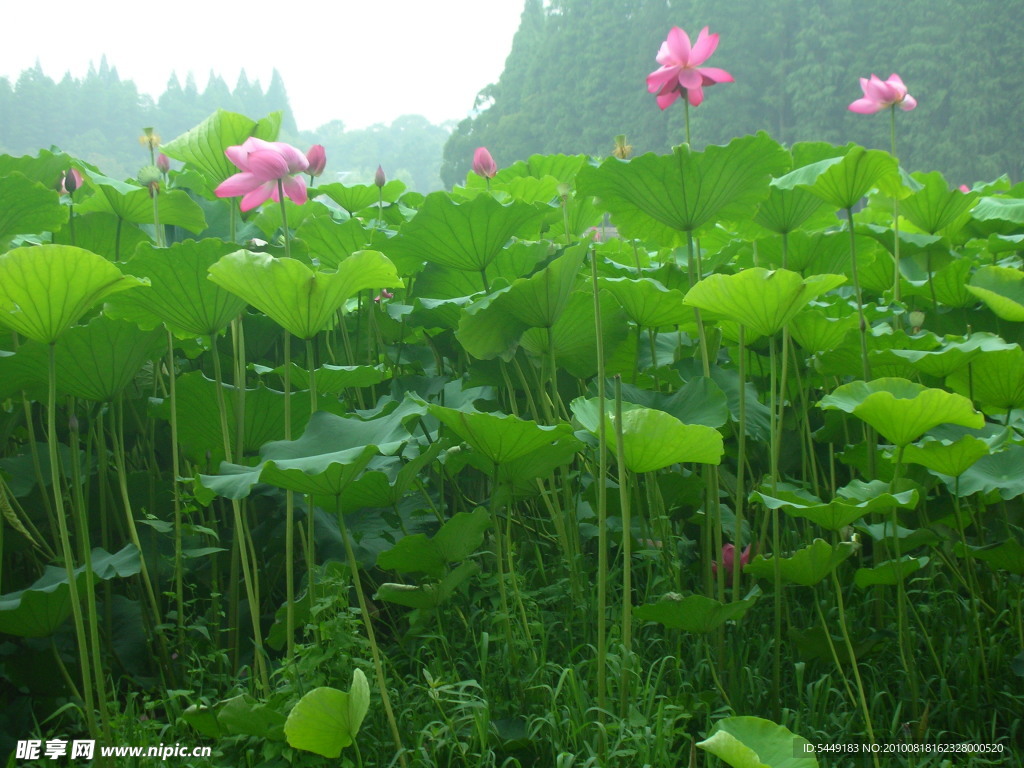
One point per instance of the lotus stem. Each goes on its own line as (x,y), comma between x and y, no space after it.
(627,551)
(601,492)
(853,662)
(364,611)
(65,543)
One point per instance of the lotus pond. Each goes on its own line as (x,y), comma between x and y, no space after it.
(684,459)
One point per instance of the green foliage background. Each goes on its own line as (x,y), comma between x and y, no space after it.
(576,77)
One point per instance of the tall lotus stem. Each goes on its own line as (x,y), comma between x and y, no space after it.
(602,508)
(627,549)
(896,215)
(241,533)
(65,543)
(364,611)
(853,662)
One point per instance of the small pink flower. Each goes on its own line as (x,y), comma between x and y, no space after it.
(964,188)
(317,157)
(728,558)
(263,165)
(379,178)
(879,94)
(680,70)
(483,163)
(163,163)
(384,294)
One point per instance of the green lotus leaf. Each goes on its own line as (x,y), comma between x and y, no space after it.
(385,481)
(467,236)
(27,207)
(843,181)
(762,300)
(935,207)
(806,566)
(435,281)
(653,439)
(901,410)
(647,302)
(327,720)
(179,294)
(698,401)
(951,357)
(946,457)
(357,197)
(457,539)
(94,361)
(300,300)
(1002,290)
(574,337)
(753,742)
(331,242)
(499,438)
(426,596)
(838,513)
(995,378)
(330,378)
(695,613)
(490,326)
(1006,556)
(816,330)
(890,572)
(199,429)
(786,210)
(330,454)
(657,197)
(46,288)
(203,147)
(998,472)
(39,610)
(99,233)
(134,204)
(245,715)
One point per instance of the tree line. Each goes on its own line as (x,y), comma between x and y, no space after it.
(575,78)
(100,117)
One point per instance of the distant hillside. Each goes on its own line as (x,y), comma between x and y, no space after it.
(576,77)
(99,119)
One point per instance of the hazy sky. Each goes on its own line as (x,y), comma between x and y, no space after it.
(359,61)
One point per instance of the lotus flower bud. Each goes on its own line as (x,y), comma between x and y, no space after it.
(70,181)
(317,157)
(163,162)
(916,319)
(483,163)
(73,422)
(379,178)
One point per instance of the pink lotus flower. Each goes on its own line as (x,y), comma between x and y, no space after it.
(728,558)
(317,157)
(483,163)
(879,94)
(680,70)
(163,163)
(964,188)
(264,164)
(379,178)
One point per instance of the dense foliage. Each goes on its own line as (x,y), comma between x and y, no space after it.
(574,79)
(475,479)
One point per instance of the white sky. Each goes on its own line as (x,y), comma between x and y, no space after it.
(359,61)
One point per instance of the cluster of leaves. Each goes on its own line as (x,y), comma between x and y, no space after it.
(543,422)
